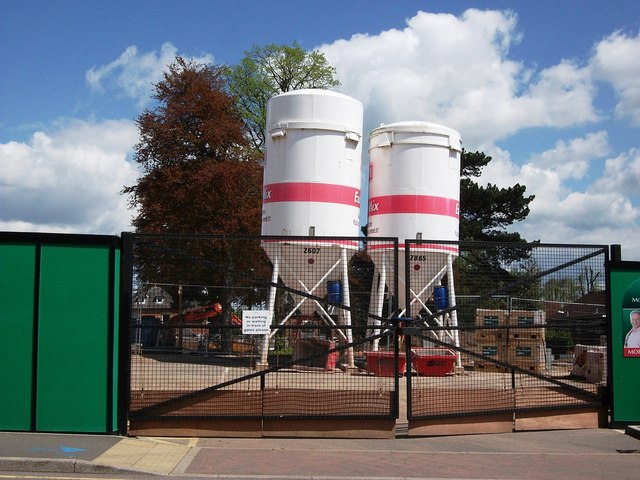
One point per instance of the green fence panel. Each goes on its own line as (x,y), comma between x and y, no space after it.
(73,361)
(17,288)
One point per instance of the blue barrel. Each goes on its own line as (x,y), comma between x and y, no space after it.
(441,297)
(334,291)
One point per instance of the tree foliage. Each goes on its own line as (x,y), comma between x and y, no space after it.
(486,211)
(205,197)
(589,281)
(561,290)
(272,69)
(199,176)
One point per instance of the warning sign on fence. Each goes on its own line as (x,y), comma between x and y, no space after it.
(256,322)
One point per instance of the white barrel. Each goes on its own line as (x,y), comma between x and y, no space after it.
(414,193)
(312,176)
(312,165)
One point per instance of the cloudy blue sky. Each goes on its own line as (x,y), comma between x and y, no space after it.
(550,89)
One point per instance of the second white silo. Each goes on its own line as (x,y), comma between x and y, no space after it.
(414,193)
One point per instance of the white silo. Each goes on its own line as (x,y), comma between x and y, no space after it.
(311,187)
(414,193)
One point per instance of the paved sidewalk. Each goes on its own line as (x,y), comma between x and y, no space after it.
(566,454)
(69,453)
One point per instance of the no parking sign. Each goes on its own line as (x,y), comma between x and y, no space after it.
(256,322)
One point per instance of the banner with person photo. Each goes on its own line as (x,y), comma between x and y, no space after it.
(624,308)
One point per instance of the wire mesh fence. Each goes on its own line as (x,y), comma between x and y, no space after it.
(522,327)
(472,328)
(313,378)
(191,356)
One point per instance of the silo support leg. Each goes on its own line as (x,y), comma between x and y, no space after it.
(452,303)
(347,311)
(264,354)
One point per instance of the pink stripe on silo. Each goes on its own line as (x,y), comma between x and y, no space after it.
(311,192)
(416,247)
(415,204)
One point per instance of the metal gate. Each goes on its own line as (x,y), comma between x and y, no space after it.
(195,369)
(505,336)
(454,337)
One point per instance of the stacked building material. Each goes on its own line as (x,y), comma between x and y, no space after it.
(590,363)
(526,340)
(490,339)
(514,337)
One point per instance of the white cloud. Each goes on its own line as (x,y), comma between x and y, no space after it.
(603,213)
(456,71)
(134,73)
(545,183)
(589,217)
(560,96)
(546,174)
(441,68)
(621,174)
(571,158)
(592,210)
(68,179)
(615,60)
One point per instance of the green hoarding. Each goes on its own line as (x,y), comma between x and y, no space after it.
(17,289)
(59,357)
(73,340)
(624,278)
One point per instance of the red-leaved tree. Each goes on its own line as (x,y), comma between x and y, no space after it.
(199,176)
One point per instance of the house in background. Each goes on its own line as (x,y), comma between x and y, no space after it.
(151,308)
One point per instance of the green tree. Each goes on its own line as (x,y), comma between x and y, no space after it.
(269,70)
(589,280)
(498,267)
(561,290)
(486,211)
